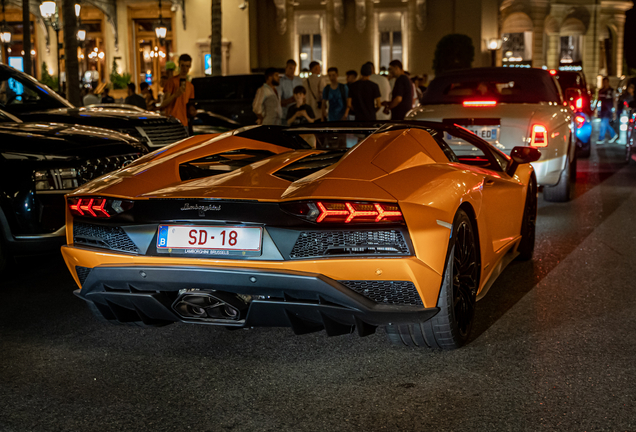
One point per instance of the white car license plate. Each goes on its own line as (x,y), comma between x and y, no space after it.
(488,133)
(209,240)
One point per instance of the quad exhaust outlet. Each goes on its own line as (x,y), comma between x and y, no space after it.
(211,306)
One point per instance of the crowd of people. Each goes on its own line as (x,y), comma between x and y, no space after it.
(366,96)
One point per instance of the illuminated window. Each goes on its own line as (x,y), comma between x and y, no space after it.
(390,38)
(310,40)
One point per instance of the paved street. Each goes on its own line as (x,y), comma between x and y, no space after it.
(552,349)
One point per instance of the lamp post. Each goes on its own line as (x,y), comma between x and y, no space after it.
(50,15)
(493,45)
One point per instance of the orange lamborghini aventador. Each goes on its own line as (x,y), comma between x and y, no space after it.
(341,227)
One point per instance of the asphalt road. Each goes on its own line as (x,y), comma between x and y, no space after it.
(552,349)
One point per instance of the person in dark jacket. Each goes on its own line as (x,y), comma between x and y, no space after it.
(402,94)
(133,98)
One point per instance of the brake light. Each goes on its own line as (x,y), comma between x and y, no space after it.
(477,104)
(579,103)
(539,136)
(580,120)
(348,212)
(98,207)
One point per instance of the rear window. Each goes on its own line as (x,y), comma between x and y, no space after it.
(504,87)
(570,80)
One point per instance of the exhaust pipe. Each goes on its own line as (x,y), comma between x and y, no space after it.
(213,307)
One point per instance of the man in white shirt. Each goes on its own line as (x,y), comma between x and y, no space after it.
(288,83)
(314,85)
(266,104)
(385,91)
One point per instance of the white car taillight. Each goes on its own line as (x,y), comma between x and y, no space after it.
(539,136)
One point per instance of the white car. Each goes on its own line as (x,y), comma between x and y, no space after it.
(509,107)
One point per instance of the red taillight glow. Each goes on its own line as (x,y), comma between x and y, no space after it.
(539,136)
(553,72)
(97,207)
(580,120)
(477,104)
(579,103)
(348,212)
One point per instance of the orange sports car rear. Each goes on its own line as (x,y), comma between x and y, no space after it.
(343,227)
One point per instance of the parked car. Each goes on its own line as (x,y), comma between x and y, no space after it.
(351,226)
(510,107)
(229,96)
(206,122)
(32,101)
(578,96)
(39,164)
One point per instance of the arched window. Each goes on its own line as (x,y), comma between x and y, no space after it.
(517,40)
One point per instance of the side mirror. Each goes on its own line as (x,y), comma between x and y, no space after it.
(522,155)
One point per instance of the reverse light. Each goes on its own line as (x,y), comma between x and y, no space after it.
(348,212)
(539,136)
(480,103)
(97,207)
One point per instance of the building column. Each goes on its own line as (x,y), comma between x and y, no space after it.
(552,56)
(620,32)
(538,12)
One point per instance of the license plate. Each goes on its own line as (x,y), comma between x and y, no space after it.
(488,133)
(209,240)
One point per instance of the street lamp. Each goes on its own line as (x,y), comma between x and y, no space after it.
(493,45)
(50,15)
(160,29)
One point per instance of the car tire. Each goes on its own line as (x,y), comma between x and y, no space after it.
(528,223)
(450,328)
(564,190)
(108,320)
(584,149)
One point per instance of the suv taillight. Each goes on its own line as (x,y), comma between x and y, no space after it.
(348,212)
(97,207)
(539,137)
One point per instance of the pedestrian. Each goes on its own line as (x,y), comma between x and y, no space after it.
(422,83)
(133,98)
(364,96)
(385,90)
(314,85)
(178,92)
(300,113)
(288,82)
(146,92)
(106,97)
(161,96)
(606,101)
(417,91)
(402,95)
(352,76)
(170,68)
(90,98)
(266,104)
(625,99)
(334,98)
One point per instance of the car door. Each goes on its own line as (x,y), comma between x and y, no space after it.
(502,205)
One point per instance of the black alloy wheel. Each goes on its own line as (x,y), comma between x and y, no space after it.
(528,222)
(450,328)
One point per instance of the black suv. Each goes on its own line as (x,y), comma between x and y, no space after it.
(229,96)
(32,101)
(39,163)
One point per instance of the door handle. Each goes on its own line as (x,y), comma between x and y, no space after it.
(489,182)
